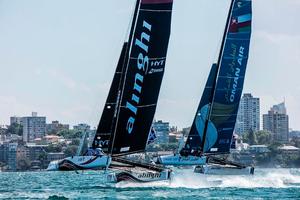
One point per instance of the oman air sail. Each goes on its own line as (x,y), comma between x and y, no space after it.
(212,129)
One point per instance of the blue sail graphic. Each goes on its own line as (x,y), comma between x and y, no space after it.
(212,135)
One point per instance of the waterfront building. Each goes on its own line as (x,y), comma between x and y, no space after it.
(287,149)
(294,134)
(277,122)
(3,154)
(35,152)
(82,127)
(33,127)
(2,133)
(12,156)
(55,156)
(248,117)
(162,130)
(55,127)
(259,149)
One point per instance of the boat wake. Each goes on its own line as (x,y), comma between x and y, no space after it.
(263,178)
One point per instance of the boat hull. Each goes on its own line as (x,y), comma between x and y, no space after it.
(177,160)
(139,176)
(223,170)
(79,163)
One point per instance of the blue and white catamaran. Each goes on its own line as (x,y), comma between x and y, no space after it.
(212,129)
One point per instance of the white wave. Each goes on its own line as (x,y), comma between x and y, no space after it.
(274,178)
(263,178)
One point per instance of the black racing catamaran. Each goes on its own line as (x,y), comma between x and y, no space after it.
(131,103)
(130,107)
(212,129)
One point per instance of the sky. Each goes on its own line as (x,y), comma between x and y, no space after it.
(58,57)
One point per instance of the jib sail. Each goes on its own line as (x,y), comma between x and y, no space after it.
(104,128)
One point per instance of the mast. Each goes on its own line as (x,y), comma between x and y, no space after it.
(215,78)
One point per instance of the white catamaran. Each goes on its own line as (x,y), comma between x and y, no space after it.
(212,129)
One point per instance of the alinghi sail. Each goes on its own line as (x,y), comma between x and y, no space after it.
(142,79)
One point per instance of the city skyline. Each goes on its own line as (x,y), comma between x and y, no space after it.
(61,63)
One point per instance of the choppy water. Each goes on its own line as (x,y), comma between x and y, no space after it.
(265,184)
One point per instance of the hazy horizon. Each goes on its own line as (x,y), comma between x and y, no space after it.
(58,57)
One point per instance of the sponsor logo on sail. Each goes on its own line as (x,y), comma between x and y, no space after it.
(237,74)
(157,66)
(234,72)
(142,64)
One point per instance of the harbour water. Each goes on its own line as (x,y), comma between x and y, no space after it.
(265,184)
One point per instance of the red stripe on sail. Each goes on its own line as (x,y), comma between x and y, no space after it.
(235,26)
(244,24)
(156,1)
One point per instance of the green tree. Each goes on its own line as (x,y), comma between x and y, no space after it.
(15,128)
(24,164)
(54,148)
(70,150)
(296,142)
(250,137)
(43,158)
(70,134)
(263,137)
(75,142)
(274,148)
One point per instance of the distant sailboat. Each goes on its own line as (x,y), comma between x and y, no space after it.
(131,103)
(212,129)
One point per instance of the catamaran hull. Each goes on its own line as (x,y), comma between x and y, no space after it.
(79,163)
(223,170)
(139,176)
(177,160)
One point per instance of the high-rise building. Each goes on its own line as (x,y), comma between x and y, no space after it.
(15,120)
(55,127)
(162,130)
(248,117)
(277,122)
(12,156)
(33,127)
